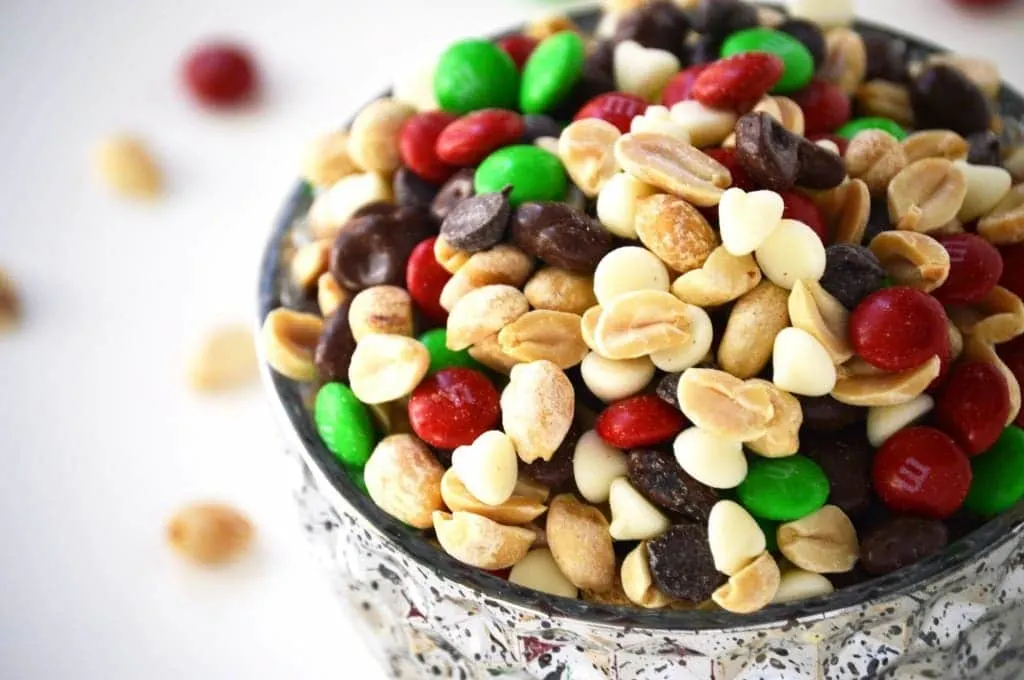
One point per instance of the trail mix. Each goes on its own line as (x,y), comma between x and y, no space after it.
(714,307)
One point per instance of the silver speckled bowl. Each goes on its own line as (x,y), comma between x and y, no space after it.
(959,614)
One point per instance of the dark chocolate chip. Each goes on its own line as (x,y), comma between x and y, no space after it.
(657,475)
(809,34)
(845,457)
(682,565)
(477,223)
(901,541)
(373,250)
(886,57)
(878,220)
(537,125)
(558,471)
(985,149)
(412,190)
(704,50)
(721,18)
(945,99)
(375,208)
(660,25)
(767,151)
(825,414)
(819,168)
(334,349)
(560,235)
(668,388)
(458,188)
(851,273)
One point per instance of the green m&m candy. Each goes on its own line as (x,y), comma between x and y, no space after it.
(850,130)
(997,481)
(441,357)
(783,489)
(475,74)
(344,424)
(796,58)
(771,533)
(533,173)
(551,71)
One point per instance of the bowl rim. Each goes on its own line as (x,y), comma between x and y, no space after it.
(288,399)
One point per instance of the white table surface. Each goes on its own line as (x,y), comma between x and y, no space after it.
(100,439)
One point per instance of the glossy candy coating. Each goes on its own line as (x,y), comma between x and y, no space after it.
(475,74)
(922,471)
(618,108)
(998,481)
(798,61)
(974,406)
(344,424)
(680,86)
(533,173)
(975,267)
(799,207)
(470,139)
(826,107)
(519,47)
(737,83)
(220,74)
(639,421)
(417,145)
(425,279)
(898,328)
(783,489)
(453,407)
(551,71)
(857,125)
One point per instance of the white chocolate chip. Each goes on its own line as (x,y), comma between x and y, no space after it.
(611,379)
(797,584)
(489,467)
(539,571)
(885,421)
(617,203)
(714,461)
(735,538)
(792,252)
(658,119)
(595,465)
(706,127)
(416,87)
(986,186)
(641,70)
(801,364)
(333,208)
(694,350)
(634,518)
(627,269)
(825,13)
(746,220)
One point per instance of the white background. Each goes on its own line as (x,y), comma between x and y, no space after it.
(100,439)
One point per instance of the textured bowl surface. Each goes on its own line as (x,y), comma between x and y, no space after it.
(957,614)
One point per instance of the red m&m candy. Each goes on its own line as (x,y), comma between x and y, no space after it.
(922,471)
(826,107)
(425,278)
(453,407)
(680,87)
(519,47)
(417,145)
(618,108)
(898,328)
(639,421)
(220,74)
(799,207)
(1012,278)
(975,267)
(472,138)
(727,157)
(738,82)
(974,406)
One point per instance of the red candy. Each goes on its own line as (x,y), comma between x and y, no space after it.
(473,137)
(519,47)
(898,328)
(417,142)
(974,406)
(639,421)
(680,87)
(1013,269)
(921,470)
(826,107)
(727,157)
(799,207)
(220,74)
(738,82)
(618,108)
(425,279)
(453,407)
(975,267)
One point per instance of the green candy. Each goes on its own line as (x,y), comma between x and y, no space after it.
(475,74)
(783,489)
(850,130)
(441,357)
(771,530)
(355,475)
(344,424)
(998,475)
(535,174)
(551,71)
(796,58)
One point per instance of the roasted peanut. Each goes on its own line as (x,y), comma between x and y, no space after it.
(225,360)
(875,157)
(846,210)
(518,509)
(1004,224)
(637,582)
(885,389)
(326,160)
(750,589)
(723,278)
(382,310)
(547,24)
(480,542)
(503,264)
(450,258)
(755,320)
(782,435)
(639,323)
(560,290)
(288,339)
(332,208)
(404,479)
(675,231)
(387,367)
(926,195)
(846,59)
(586,148)
(489,353)
(580,543)
(944,144)
(543,334)
(126,166)
(824,542)
(813,309)
(373,137)
(588,326)
(725,406)
(10,303)
(537,407)
(887,100)
(912,259)
(696,349)
(329,294)
(483,312)
(210,533)
(673,166)
(310,262)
